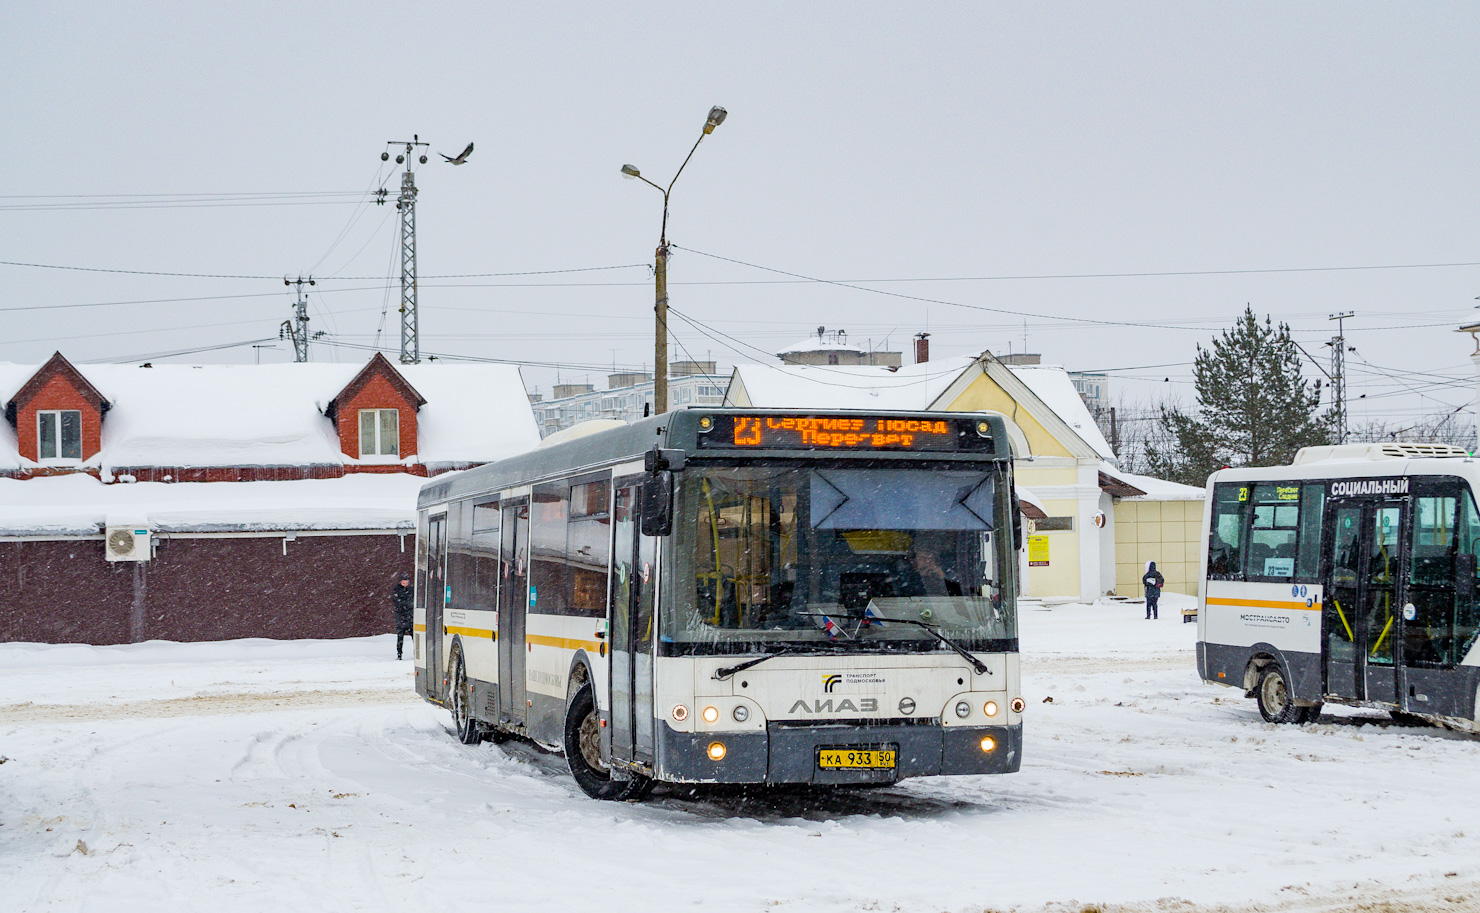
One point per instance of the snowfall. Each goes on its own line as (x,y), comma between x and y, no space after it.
(285,776)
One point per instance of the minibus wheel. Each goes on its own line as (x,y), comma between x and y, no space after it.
(468,732)
(1273,696)
(583,752)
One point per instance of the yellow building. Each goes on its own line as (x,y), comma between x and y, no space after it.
(1073,552)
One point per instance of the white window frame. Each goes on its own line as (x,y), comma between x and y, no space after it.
(58,460)
(378,457)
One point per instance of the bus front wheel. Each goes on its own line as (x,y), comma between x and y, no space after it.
(583,752)
(1273,696)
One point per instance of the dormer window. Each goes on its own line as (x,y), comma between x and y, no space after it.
(59,435)
(380,434)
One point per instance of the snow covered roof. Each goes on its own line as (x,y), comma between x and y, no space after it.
(79,504)
(910,387)
(1051,384)
(1156,489)
(273,415)
(831,342)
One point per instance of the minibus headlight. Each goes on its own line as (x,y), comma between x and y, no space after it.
(963,709)
(716,751)
(988,743)
(711,714)
(741,713)
(990,708)
(680,713)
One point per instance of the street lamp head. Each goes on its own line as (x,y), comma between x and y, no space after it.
(716,117)
(630,172)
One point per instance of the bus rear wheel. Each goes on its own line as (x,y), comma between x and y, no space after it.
(1273,696)
(583,753)
(468,731)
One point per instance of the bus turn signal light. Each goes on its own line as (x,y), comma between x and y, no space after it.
(1018,705)
(716,751)
(680,713)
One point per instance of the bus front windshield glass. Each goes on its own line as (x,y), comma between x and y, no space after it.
(842,557)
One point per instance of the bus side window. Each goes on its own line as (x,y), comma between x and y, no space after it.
(1467,597)
(1312,506)
(1225,538)
(1271,550)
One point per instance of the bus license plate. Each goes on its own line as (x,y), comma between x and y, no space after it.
(867,758)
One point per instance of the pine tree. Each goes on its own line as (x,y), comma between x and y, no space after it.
(1253,406)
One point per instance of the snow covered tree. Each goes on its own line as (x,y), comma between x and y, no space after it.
(1253,406)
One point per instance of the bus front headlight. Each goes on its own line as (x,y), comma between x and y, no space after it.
(741,713)
(716,751)
(963,709)
(711,714)
(990,708)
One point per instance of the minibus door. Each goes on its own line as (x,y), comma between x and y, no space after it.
(1360,622)
(634,587)
(436,593)
(513,601)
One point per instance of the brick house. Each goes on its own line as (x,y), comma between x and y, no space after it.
(262,501)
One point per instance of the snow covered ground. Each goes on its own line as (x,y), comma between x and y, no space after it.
(285,776)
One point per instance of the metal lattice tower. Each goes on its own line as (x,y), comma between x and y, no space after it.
(1338,373)
(297,328)
(410,320)
(406,202)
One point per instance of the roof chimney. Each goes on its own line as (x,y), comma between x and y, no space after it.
(922,348)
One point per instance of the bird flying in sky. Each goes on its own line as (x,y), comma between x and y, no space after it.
(461,157)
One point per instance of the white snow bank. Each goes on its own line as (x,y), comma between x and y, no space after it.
(80,505)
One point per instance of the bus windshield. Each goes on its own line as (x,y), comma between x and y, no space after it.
(789,554)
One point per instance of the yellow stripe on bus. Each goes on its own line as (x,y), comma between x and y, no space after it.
(1265,604)
(567,643)
(419,627)
(472,632)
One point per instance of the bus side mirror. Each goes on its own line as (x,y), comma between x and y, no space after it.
(1464,577)
(1017,520)
(657,503)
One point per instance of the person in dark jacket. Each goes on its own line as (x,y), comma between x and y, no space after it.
(1153,581)
(401,599)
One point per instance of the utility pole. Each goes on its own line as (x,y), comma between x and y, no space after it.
(406,203)
(1338,373)
(297,328)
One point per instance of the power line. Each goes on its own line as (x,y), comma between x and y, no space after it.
(143,272)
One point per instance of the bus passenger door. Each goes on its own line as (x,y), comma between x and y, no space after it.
(633,582)
(513,601)
(1360,613)
(436,597)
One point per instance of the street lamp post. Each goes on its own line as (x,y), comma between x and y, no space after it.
(660,268)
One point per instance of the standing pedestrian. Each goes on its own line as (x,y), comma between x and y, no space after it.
(1153,581)
(401,599)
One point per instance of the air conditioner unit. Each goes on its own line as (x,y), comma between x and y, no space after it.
(124,543)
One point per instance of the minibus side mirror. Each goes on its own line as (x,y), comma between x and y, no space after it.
(1464,577)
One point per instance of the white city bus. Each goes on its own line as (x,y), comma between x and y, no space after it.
(1347,577)
(732,596)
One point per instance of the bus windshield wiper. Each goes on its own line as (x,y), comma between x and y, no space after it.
(727,671)
(980,667)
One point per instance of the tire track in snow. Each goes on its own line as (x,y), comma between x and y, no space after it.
(204,705)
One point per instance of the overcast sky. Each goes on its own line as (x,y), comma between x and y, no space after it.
(950,145)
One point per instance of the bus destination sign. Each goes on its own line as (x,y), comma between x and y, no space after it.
(809,432)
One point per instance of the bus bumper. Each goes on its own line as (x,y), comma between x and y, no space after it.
(784,754)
